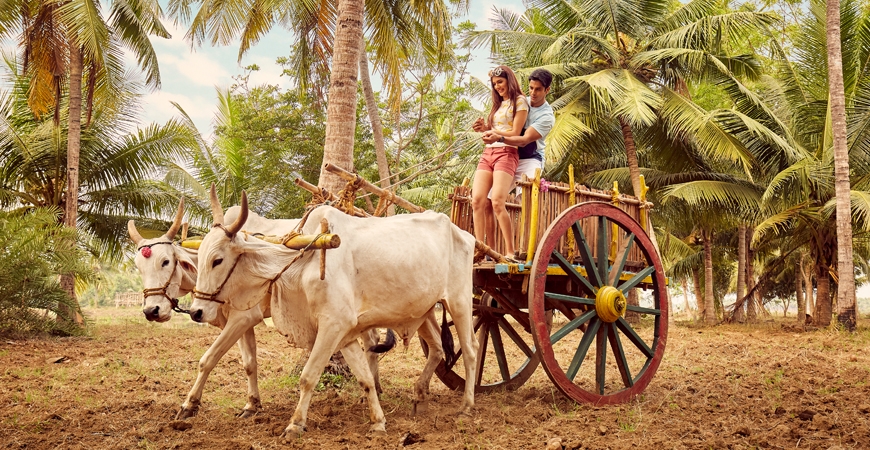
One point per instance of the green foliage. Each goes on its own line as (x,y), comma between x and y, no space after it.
(35,249)
(108,282)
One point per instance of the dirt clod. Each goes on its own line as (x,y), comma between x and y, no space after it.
(806,414)
(180,425)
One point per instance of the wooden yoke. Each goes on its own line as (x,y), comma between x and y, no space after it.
(298,242)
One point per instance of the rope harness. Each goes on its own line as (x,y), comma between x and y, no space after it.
(212,297)
(150,292)
(297,258)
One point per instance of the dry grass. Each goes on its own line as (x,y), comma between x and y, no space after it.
(732,386)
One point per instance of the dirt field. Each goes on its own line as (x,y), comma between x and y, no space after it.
(769,386)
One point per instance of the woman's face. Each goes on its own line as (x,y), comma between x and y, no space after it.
(500,85)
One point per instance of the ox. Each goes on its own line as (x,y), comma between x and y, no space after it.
(387,272)
(169,272)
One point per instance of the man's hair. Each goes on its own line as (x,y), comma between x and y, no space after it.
(542,76)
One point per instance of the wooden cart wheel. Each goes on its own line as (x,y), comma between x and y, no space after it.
(501,336)
(591,297)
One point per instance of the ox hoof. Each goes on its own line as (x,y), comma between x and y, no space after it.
(421,407)
(186,413)
(293,431)
(247,413)
(378,429)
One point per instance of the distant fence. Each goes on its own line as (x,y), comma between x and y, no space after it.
(128,299)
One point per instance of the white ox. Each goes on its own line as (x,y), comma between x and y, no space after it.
(387,272)
(169,272)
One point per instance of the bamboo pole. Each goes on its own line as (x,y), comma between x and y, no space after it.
(298,242)
(373,189)
(325,195)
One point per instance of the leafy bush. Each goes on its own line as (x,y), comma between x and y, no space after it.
(34,250)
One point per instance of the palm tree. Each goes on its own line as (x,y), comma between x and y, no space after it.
(625,69)
(120,164)
(846,285)
(60,40)
(327,30)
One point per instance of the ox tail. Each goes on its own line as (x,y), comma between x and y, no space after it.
(388,344)
(447,340)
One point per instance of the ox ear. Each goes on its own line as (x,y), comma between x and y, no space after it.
(133,232)
(217,213)
(176,224)
(243,217)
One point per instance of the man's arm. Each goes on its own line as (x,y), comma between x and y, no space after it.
(530,135)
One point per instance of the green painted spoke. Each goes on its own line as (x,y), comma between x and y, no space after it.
(571,326)
(571,272)
(580,354)
(619,356)
(633,337)
(636,279)
(482,341)
(586,254)
(498,349)
(617,268)
(603,245)
(601,357)
(512,333)
(570,298)
(638,309)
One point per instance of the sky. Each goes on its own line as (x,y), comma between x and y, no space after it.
(189,77)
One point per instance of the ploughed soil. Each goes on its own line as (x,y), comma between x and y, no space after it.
(769,385)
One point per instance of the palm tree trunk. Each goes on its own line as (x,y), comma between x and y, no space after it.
(808,289)
(686,305)
(375,119)
(631,156)
(799,292)
(751,310)
(739,315)
(341,107)
(74,136)
(823,295)
(699,296)
(709,307)
(845,265)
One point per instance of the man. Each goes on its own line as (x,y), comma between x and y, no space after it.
(531,143)
(538,124)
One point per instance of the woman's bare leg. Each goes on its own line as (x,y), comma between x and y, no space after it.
(479,203)
(502,182)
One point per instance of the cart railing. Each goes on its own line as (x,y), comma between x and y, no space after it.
(539,206)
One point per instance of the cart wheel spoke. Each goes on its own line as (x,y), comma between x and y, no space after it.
(603,245)
(636,279)
(574,275)
(619,356)
(498,348)
(601,357)
(516,338)
(571,326)
(621,258)
(629,332)
(586,255)
(582,348)
(642,310)
(570,298)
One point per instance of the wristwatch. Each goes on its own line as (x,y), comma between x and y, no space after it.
(501,139)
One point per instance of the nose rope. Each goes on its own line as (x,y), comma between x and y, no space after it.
(212,297)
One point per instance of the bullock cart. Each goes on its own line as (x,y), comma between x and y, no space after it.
(565,303)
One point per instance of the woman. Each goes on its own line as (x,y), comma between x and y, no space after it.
(495,171)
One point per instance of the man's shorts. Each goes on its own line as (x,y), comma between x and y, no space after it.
(502,159)
(527,167)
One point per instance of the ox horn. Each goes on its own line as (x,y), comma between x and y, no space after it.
(217,213)
(176,224)
(243,217)
(133,232)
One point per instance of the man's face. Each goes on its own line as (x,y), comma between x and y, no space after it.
(538,92)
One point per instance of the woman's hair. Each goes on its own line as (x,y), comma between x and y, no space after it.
(513,86)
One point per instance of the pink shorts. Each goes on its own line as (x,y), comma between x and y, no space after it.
(502,159)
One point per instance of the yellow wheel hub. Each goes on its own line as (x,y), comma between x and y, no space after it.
(610,304)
